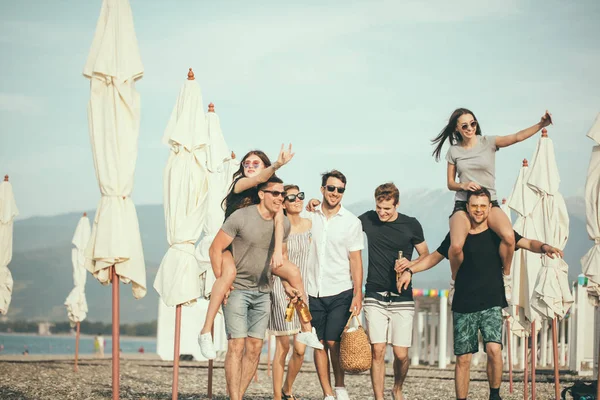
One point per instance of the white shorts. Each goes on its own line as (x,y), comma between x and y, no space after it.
(389,322)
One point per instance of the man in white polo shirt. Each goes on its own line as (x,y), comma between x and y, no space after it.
(334,278)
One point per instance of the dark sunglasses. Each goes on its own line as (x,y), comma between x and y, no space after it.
(292,197)
(276,193)
(331,188)
(473,125)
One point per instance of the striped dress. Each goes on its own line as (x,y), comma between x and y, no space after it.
(298,245)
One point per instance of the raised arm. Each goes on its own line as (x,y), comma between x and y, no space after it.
(219,244)
(249,182)
(508,140)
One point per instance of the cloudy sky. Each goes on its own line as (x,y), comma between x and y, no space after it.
(361,86)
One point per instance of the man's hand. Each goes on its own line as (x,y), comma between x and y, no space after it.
(312,204)
(227,295)
(291,293)
(401,264)
(276,260)
(552,252)
(404,281)
(356,305)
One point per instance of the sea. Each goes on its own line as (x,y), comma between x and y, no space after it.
(65,344)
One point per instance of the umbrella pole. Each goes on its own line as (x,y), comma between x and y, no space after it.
(210,367)
(176,351)
(525,372)
(510,364)
(77,348)
(269,356)
(555,358)
(533,358)
(115,334)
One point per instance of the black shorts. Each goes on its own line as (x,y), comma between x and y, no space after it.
(330,314)
(462,206)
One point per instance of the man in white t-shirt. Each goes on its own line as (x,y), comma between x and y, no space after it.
(334,278)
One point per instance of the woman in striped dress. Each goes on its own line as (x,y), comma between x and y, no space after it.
(298,246)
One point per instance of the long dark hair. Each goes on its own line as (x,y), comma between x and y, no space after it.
(234,201)
(449,131)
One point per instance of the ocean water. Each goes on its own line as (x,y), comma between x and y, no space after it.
(16,344)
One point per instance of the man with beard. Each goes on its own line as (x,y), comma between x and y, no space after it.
(479,292)
(250,232)
(334,278)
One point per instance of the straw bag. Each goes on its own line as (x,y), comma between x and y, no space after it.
(355,348)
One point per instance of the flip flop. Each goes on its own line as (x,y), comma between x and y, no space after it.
(287,396)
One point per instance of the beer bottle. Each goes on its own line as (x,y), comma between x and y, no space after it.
(303,311)
(400,254)
(289,312)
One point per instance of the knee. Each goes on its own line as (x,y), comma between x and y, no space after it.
(463,361)
(455,249)
(235,348)
(402,358)
(508,237)
(299,351)
(283,347)
(330,344)
(493,350)
(378,352)
(229,272)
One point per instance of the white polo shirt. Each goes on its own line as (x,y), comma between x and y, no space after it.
(333,239)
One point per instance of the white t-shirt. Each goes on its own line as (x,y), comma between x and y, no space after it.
(333,239)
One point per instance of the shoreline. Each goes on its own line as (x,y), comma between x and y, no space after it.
(82,335)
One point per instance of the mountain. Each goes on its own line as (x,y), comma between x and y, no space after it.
(42,270)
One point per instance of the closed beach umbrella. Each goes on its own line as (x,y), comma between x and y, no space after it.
(76,304)
(185,192)
(552,295)
(526,265)
(590,262)
(8,212)
(115,247)
(77,307)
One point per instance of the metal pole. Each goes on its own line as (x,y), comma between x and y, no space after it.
(510,364)
(77,348)
(115,334)
(525,372)
(176,352)
(555,358)
(533,358)
(210,368)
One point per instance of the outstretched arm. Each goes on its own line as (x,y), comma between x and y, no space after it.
(429,261)
(535,246)
(249,182)
(508,140)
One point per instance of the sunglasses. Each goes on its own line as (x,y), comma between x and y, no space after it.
(254,164)
(473,125)
(292,197)
(478,206)
(275,193)
(331,188)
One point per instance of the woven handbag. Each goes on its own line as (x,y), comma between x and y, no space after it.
(355,348)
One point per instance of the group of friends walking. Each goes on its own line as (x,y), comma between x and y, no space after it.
(266,255)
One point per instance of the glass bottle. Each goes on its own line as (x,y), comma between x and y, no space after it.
(400,254)
(303,311)
(289,312)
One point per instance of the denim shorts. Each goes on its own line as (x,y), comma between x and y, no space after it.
(246,314)
(467,326)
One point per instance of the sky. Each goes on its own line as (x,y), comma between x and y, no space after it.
(360,86)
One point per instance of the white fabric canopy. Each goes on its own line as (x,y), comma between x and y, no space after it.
(113,66)
(76,303)
(185,192)
(219,180)
(590,262)
(8,212)
(552,295)
(526,265)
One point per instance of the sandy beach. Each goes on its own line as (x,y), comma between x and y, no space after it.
(145,377)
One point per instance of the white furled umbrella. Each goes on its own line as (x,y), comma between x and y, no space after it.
(526,265)
(590,262)
(185,190)
(222,165)
(552,295)
(115,248)
(76,303)
(8,212)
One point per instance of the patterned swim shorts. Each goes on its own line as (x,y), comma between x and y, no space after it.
(467,325)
